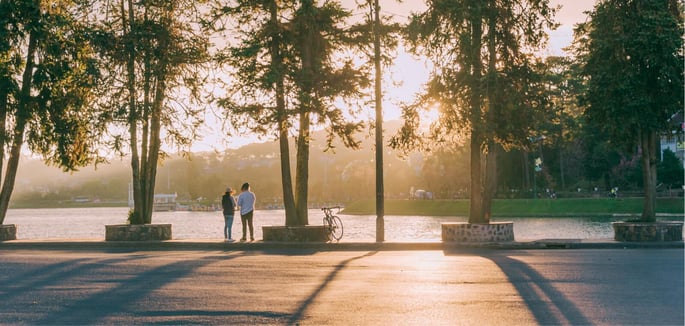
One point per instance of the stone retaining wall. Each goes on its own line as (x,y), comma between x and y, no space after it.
(142,232)
(8,232)
(307,233)
(468,232)
(644,231)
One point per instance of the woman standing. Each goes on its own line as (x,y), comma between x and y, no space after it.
(246,201)
(228,204)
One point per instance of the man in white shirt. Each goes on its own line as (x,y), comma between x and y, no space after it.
(246,202)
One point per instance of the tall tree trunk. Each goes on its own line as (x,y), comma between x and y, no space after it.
(477,134)
(302,173)
(149,87)
(282,116)
(12,167)
(4,98)
(150,172)
(490,178)
(158,72)
(5,82)
(22,116)
(490,186)
(380,192)
(476,200)
(306,98)
(286,178)
(649,162)
(136,217)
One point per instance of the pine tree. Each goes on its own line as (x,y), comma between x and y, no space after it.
(483,81)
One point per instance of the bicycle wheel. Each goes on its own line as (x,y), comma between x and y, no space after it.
(336,228)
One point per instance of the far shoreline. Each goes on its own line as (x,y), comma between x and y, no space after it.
(505,208)
(502,208)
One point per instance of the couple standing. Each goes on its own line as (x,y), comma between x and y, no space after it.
(246,202)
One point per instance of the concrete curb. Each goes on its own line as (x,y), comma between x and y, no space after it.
(200,245)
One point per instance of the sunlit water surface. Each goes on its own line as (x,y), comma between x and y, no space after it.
(88,223)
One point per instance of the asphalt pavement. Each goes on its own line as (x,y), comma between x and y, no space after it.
(572,282)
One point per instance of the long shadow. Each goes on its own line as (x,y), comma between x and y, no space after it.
(531,285)
(277,252)
(215,313)
(331,276)
(42,276)
(123,297)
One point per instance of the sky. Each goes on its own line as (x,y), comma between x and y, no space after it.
(411,72)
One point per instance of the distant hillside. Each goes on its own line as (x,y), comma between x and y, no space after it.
(336,175)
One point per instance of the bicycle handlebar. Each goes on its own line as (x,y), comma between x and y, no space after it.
(330,208)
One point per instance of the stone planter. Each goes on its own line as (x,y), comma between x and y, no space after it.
(648,232)
(8,232)
(468,232)
(307,233)
(143,232)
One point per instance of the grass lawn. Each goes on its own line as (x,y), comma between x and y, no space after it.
(519,207)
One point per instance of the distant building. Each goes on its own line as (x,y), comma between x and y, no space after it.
(164,202)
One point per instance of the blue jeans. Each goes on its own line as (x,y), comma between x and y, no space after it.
(228,226)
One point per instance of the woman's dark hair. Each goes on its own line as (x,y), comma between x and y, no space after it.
(245,186)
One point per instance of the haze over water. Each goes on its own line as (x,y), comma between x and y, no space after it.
(89,223)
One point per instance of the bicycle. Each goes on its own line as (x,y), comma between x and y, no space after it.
(332,223)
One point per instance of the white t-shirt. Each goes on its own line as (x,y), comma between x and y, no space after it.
(246,201)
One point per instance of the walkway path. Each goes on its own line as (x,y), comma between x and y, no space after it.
(449,286)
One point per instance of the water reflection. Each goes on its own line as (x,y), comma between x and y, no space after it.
(88,223)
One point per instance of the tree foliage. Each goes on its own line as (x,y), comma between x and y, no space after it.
(152,53)
(292,50)
(48,74)
(257,100)
(632,53)
(484,82)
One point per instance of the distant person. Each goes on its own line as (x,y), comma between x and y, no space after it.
(228,204)
(246,202)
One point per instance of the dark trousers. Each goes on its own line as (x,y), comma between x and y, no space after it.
(247,221)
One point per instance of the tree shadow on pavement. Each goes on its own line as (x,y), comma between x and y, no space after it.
(297,316)
(548,305)
(269,315)
(125,296)
(40,276)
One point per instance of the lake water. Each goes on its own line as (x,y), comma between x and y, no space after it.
(89,223)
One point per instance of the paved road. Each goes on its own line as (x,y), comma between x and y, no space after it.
(309,287)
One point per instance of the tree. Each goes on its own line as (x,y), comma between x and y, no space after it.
(288,50)
(257,100)
(483,80)
(562,123)
(321,77)
(633,59)
(152,52)
(48,77)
